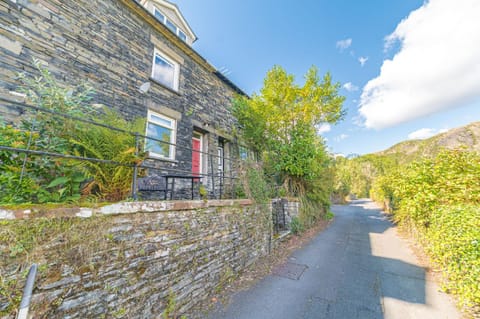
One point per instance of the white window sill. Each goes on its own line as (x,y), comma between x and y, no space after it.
(155,156)
(164,86)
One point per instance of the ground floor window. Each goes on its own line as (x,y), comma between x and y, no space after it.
(221,157)
(161,135)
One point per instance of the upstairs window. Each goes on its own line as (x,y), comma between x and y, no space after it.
(182,35)
(163,19)
(171,26)
(161,133)
(159,15)
(165,71)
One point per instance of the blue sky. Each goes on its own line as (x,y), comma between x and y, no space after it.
(421,60)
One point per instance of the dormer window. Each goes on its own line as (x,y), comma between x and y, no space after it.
(159,15)
(182,35)
(163,19)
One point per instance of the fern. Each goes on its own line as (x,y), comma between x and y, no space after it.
(108,181)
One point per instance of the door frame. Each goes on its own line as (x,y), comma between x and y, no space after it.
(199,137)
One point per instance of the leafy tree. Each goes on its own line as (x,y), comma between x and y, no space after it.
(280,123)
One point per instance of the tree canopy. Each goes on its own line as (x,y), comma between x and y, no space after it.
(280,122)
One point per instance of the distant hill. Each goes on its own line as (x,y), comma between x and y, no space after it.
(466,136)
(359,173)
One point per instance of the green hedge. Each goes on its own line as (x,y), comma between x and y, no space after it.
(439,200)
(453,242)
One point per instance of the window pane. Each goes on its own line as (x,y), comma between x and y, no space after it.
(159,15)
(161,133)
(220,159)
(243,153)
(171,26)
(182,35)
(161,121)
(163,71)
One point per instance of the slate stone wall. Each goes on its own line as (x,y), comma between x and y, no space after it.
(129,265)
(109,46)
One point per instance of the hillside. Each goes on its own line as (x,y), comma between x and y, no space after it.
(466,136)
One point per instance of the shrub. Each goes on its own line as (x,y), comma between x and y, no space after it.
(438,200)
(42,179)
(107,181)
(453,241)
(296,226)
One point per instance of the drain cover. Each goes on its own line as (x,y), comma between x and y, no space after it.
(290,270)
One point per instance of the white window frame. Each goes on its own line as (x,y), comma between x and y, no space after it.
(182,35)
(243,152)
(173,136)
(221,158)
(164,21)
(155,10)
(176,68)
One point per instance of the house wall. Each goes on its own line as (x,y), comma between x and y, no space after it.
(129,260)
(110,45)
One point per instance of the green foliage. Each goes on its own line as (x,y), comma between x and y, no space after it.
(453,241)
(21,236)
(329,215)
(45,92)
(311,211)
(356,175)
(41,179)
(255,183)
(108,182)
(296,226)
(203,192)
(438,199)
(170,311)
(280,124)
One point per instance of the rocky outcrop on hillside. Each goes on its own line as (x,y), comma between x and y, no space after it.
(466,136)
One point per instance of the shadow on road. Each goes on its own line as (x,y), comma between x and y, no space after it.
(351,271)
(370,272)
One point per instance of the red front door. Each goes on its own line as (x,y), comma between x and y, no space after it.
(196,149)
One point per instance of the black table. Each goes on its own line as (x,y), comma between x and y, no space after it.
(173,177)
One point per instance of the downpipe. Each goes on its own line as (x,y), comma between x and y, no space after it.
(27,293)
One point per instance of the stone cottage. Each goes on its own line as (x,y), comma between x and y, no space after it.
(138,56)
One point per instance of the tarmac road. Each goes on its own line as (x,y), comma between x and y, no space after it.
(358,268)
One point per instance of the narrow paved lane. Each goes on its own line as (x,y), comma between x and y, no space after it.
(357,268)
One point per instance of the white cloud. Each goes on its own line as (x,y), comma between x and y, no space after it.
(436,68)
(323,128)
(424,133)
(344,44)
(362,60)
(341,137)
(350,87)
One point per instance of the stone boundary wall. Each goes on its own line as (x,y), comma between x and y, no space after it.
(128,260)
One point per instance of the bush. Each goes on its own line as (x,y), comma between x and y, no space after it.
(41,179)
(107,181)
(438,199)
(453,241)
(296,226)
(255,184)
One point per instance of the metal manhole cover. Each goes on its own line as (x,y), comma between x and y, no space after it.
(290,270)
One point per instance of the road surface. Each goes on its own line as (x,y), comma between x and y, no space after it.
(358,268)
